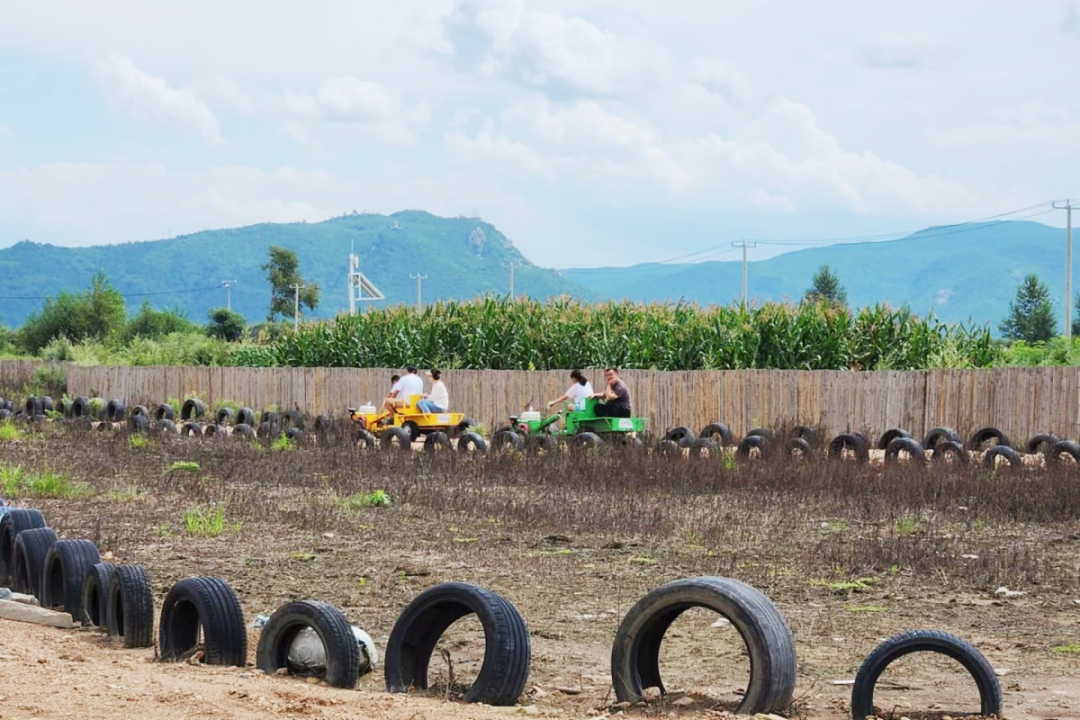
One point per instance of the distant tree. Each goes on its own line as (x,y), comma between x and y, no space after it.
(826,287)
(7,339)
(1076,316)
(1031,314)
(156,324)
(226,325)
(94,314)
(283,271)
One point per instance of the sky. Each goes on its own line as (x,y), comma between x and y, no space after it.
(602,133)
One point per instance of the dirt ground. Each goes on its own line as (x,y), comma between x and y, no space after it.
(573,573)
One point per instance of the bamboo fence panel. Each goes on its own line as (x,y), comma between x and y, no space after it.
(1019,401)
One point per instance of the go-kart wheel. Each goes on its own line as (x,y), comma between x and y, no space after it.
(412,429)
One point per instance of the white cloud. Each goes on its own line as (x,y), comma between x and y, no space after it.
(353,102)
(1026,128)
(148,97)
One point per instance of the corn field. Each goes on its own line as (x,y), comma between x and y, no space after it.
(524,334)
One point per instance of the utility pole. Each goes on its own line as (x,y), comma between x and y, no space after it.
(511,265)
(744,244)
(1068,206)
(227,284)
(419,279)
(296,305)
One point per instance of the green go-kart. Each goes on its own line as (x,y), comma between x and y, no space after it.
(579,427)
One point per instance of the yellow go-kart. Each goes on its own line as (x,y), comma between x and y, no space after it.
(410,419)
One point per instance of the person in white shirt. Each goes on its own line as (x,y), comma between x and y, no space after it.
(410,384)
(577,392)
(438,400)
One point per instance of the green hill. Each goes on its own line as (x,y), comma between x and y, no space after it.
(963,273)
(462,257)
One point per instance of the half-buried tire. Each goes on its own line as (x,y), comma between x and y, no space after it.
(1063,447)
(192,409)
(245,416)
(1041,443)
(28,559)
(940,434)
(95,594)
(333,629)
(471,442)
(635,654)
(719,432)
(164,411)
(208,604)
(242,431)
(1004,451)
(398,437)
(364,440)
(66,565)
(129,611)
(983,435)
(946,449)
(752,442)
(682,436)
(13,522)
(935,641)
(81,407)
(849,441)
(505,668)
(437,441)
(907,445)
(889,435)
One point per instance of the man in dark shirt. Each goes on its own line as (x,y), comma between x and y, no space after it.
(616,395)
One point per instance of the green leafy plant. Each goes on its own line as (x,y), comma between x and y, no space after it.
(207,521)
(846,587)
(283,442)
(360,501)
(15,483)
(906,525)
(138,441)
(1072,648)
(183,466)
(9,431)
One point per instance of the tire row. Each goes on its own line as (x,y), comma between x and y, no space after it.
(207,609)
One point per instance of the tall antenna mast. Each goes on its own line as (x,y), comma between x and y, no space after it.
(360,288)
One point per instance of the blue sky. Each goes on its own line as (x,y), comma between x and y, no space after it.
(601,133)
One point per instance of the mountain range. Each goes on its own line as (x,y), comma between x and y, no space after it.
(966,273)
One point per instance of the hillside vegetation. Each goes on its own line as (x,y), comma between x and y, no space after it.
(963,274)
(462,258)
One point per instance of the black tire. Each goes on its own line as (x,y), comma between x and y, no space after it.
(241,431)
(295,434)
(28,559)
(635,654)
(65,407)
(507,655)
(935,641)
(342,652)
(991,455)
(717,432)
(938,434)
(13,522)
(225,416)
(889,435)
(807,433)
(750,442)
(209,604)
(81,407)
(437,441)
(981,435)
(364,440)
(471,442)
(413,431)
(853,442)
(669,447)
(324,424)
(293,418)
(541,443)
(139,410)
(46,405)
(464,426)
(164,411)
(762,432)
(904,444)
(245,416)
(268,431)
(586,440)
(192,409)
(33,406)
(268,416)
(191,429)
(65,569)
(114,411)
(5,414)
(681,436)
(138,424)
(216,432)
(1041,443)
(506,439)
(1062,447)
(799,448)
(104,426)
(704,443)
(129,609)
(165,426)
(95,594)
(945,449)
(396,436)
